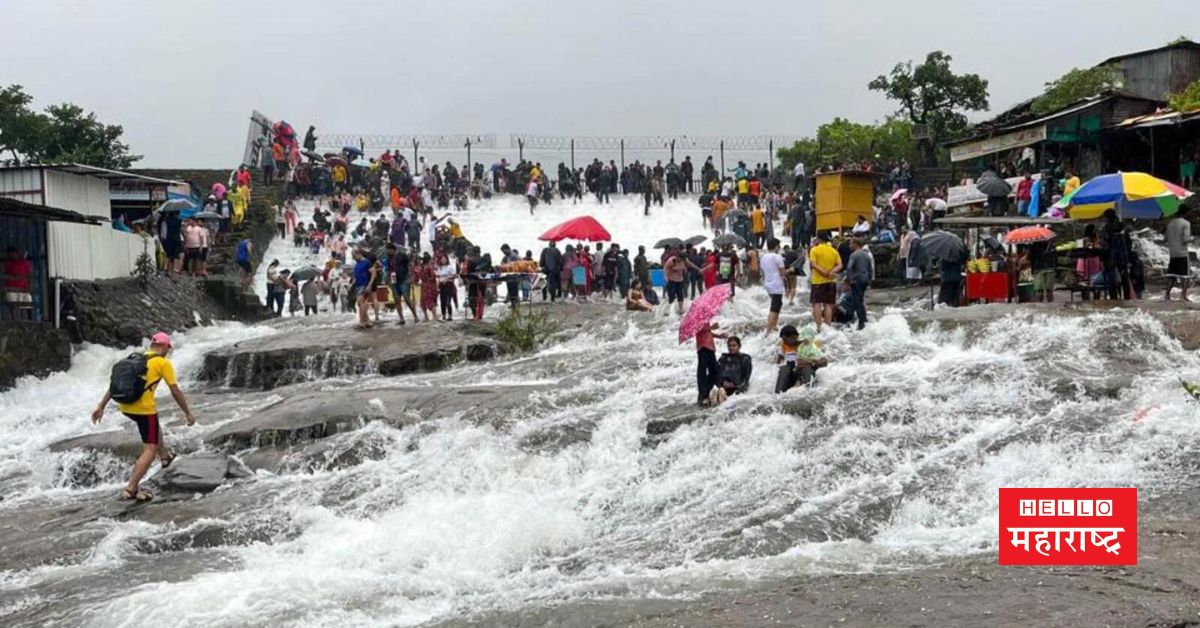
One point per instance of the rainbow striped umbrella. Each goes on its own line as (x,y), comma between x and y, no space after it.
(1131,194)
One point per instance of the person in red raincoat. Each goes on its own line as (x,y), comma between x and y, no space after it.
(710,270)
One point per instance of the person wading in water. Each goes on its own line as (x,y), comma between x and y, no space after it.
(142,372)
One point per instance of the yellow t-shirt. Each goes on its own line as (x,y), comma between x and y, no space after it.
(535,173)
(455,230)
(158,369)
(757,222)
(826,257)
(743,186)
(1070,186)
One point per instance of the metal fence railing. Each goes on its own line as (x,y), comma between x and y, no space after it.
(743,146)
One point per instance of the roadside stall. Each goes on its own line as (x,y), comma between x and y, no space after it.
(989,277)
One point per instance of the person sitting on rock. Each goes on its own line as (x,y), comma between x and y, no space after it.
(636,301)
(733,372)
(145,371)
(800,357)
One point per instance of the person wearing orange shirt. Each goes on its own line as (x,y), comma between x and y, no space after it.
(758,227)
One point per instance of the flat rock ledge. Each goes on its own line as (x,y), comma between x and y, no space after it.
(309,354)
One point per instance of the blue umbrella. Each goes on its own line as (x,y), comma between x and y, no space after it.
(353,151)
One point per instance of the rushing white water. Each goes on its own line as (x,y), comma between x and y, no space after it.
(893,460)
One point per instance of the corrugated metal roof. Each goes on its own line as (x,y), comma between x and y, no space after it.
(13,207)
(1158,118)
(1175,46)
(96,171)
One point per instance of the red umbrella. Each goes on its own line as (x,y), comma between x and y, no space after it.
(1028,235)
(583,228)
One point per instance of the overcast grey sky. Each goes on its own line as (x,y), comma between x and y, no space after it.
(182,76)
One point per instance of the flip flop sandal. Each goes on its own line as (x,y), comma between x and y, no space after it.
(140,496)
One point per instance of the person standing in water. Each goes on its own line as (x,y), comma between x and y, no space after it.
(825,263)
(706,362)
(774,271)
(145,371)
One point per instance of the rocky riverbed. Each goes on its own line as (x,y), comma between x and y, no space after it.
(836,505)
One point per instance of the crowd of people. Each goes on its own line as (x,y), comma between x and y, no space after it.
(385,228)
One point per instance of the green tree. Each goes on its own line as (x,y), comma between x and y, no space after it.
(1075,86)
(1188,100)
(932,95)
(845,141)
(63,134)
(19,125)
(72,135)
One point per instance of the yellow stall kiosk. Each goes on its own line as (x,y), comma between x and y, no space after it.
(842,197)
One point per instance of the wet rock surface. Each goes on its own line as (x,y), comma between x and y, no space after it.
(200,473)
(124,443)
(318,353)
(308,416)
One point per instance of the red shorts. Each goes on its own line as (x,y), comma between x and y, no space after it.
(147,427)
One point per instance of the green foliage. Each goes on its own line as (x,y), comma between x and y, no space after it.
(844,141)
(63,134)
(1188,100)
(525,331)
(1182,39)
(1076,85)
(931,94)
(144,269)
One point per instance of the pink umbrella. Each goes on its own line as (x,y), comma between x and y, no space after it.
(898,193)
(702,311)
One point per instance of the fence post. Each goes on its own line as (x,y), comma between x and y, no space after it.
(416,145)
(520,148)
(672,150)
(622,154)
(572,155)
(770,155)
(469,165)
(722,161)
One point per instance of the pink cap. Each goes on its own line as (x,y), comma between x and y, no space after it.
(161,338)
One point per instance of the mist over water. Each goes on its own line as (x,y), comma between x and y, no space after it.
(892,461)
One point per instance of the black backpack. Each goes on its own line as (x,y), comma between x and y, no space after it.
(128,381)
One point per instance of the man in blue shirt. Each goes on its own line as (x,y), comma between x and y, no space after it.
(245,249)
(363,271)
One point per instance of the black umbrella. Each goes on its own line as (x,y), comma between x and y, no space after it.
(729,239)
(943,245)
(735,213)
(991,184)
(304,274)
(696,239)
(207,216)
(668,243)
(312,154)
(354,151)
(172,206)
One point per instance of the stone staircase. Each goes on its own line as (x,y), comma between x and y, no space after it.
(259,226)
